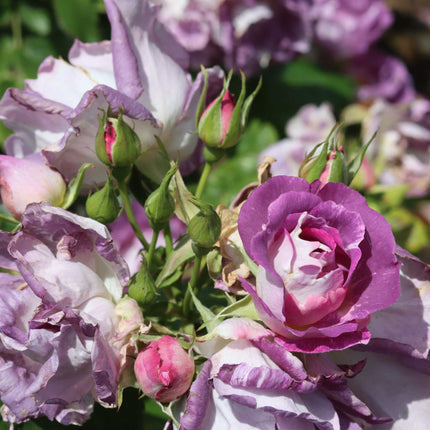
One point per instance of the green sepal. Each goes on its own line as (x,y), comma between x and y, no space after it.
(355,164)
(338,169)
(100,143)
(74,186)
(127,147)
(248,103)
(312,169)
(202,101)
(210,124)
(235,130)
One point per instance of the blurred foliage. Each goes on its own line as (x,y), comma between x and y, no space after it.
(31,30)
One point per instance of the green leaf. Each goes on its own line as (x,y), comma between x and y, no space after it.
(208,317)
(242,308)
(176,258)
(418,236)
(78,18)
(35,19)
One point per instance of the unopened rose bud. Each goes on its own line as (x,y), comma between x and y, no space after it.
(327,163)
(103,205)
(164,370)
(142,286)
(335,169)
(204,228)
(160,205)
(223,122)
(117,144)
(23,182)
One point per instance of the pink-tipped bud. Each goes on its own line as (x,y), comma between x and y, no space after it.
(116,142)
(23,182)
(218,117)
(164,370)
(223,122)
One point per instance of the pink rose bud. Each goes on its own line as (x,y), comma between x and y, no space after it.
(224,111)
(223,122)
(117,144)
(23,182)
(164,370)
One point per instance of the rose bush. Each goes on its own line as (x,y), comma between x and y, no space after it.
(325,262)
(61,333)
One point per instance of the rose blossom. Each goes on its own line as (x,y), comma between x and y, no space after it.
(60,332)
(241,34)
(140,71)
(326,262)
(382,76)
(348,28)
(251,381)
(25,181)
(401,151)
(396,377)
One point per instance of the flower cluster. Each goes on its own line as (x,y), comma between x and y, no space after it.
(296,307)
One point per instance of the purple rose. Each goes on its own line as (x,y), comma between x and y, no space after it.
(325,262)
(400,153)
(382,76)
(241,34)
(348,28)
(60,332)
(396,377)
(140,71)
(251,381)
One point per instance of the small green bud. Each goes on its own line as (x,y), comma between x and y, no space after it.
(160,205)
(204,228)
(103,205)
(142,286)
(223,122)
(117,144)
(327,163)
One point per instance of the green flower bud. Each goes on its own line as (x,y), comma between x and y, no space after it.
(160,205)
(204,228)
(327,163)
(117,144)
(103,206)
(223,122)
(142,286)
